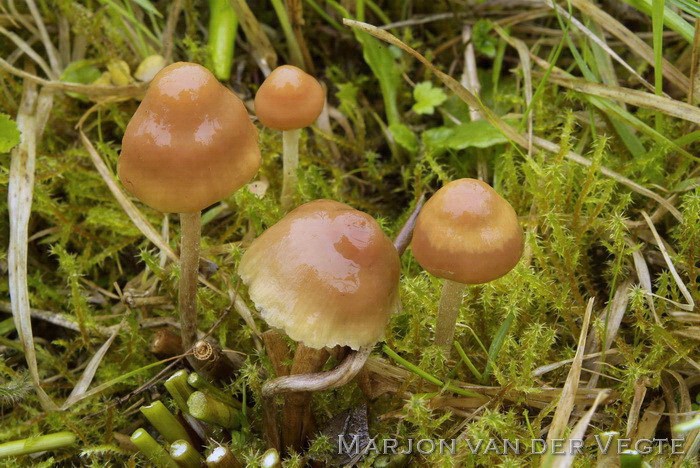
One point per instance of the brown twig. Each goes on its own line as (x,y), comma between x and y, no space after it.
(403,238)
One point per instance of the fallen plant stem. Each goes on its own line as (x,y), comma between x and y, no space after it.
(222,457)
(164,421)
(185,455)
(179,389)
(34,110)
(198,382)
(43,443)
(209,409)
(152,450)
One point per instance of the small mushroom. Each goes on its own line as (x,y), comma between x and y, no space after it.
(190,144)
(328,276)
(289,99)
(467,234)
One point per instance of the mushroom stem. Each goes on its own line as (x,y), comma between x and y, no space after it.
(450,302)
(190,224)
(290,145)
(297,420)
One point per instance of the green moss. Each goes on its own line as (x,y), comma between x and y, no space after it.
(581,232)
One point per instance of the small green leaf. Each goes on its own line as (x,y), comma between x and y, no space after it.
(9,133)
(477,134)
(81,71)
(347,94)
(404,137)
(688,184)
(427,98)
(385,67)
(437,137)
(483,41)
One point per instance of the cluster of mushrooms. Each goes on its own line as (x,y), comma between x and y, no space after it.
(325,274)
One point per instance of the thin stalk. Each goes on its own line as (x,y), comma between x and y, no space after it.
(179,389)
(430,378)
(189,270)
(200,383)
(152,450)
(360,10)
(208,409)
(29,445)
(377,10)
(164,421)
(450,302)
(295,56)
(467,361)
(222,457)
(497,344)
(297,419)
(185,455)
(223,25)
(403,238)
(657,21)
(322,13)
(290,144)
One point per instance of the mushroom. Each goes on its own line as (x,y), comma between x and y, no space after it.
(328,276)
(289,99)
(190,144)
(466,234)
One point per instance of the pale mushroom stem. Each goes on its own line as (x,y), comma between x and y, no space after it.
(290,148)
(190,225)
(450,302)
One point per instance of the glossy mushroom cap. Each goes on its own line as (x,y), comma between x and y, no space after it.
(289,99)
(467,233)
(190,143)
(326,274)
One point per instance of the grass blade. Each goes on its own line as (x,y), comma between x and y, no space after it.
(511,133)
(565,406)
(670,18)
(657,21)
(497,344)
(30,121)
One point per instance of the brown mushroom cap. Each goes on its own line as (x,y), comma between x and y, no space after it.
(289,99)
(467,233)
(190,143)
(326,274)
